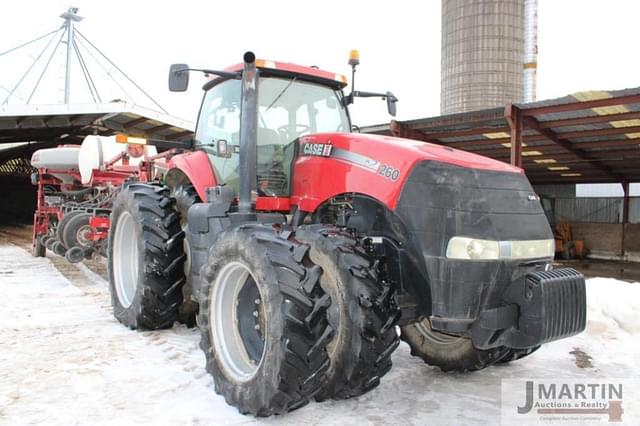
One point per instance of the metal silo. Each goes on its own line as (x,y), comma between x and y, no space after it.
(483,53)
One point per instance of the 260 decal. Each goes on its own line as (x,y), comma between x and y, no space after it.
(389,172)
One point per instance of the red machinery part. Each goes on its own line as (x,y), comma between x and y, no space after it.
(197,168)
(99,228)
(332,163)
(43,210)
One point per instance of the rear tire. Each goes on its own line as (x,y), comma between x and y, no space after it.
(263,321)
(448,352)
(145,258)
(185,197)
(363,312)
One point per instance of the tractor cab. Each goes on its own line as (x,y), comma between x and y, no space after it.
(292,101)
(258,110)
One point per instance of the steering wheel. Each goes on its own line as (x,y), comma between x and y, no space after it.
(300,129)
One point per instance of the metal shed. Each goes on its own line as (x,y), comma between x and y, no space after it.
(587,137)
(26,123)
(26,128)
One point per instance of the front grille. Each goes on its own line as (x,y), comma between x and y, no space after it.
(563,302)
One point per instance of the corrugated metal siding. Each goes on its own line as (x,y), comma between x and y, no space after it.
(602,210)
(634,210)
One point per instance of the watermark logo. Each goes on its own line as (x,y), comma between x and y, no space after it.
(566,401)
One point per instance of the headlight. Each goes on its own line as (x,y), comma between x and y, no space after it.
(475,249)
(469,248)
(532,249)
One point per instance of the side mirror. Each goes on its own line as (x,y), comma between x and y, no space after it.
(222,149)
(391,104)
(178,77)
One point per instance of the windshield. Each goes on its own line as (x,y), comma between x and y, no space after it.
(287,109)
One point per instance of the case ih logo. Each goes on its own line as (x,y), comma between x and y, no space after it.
(317,149)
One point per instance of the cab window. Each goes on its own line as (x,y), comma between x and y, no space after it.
(287,109)
(220,120)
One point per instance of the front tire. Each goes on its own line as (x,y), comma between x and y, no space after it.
(263,321)
(516,354)
(145,258)
(448,352)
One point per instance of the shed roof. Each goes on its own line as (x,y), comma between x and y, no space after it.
(586,137)
(61,123)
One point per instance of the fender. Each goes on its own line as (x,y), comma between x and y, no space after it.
(330,164)
(196,167)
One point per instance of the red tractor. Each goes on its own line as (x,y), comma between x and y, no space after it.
(303,246)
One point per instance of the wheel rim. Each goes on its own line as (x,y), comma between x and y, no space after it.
(237,322)
(82,236)
(187,251)
(125,259)
(424,327)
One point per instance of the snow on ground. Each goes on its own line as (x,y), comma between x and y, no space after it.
(64,359)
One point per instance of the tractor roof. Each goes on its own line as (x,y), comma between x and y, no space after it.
(288,70)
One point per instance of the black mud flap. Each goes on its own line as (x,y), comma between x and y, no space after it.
(543,307)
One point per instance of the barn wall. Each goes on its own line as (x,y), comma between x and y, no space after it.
(17,200)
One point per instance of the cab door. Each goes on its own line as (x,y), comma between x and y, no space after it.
(218,130)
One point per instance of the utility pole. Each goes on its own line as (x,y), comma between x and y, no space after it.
(70,16)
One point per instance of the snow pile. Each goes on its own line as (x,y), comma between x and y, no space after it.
(614,308)
(64,359)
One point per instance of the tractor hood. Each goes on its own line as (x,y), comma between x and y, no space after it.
(388,148)
(438,192)
(378,166)
(441,192)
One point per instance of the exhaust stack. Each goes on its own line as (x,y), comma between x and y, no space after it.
(248,133)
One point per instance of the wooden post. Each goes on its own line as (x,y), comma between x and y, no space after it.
(625,202)
(514,118)
(625,214)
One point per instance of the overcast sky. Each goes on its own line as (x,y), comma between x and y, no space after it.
(583,44)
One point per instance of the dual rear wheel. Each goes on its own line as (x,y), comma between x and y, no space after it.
(284,316)
(288,316)
(263,321)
